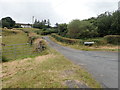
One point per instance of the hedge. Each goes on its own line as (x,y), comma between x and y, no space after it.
(65,40)
(113,39)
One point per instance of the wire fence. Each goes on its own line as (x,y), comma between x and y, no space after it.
(16,51)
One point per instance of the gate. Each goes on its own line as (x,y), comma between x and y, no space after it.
(16,51)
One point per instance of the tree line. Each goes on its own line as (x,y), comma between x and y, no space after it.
(102,25)
(41,24)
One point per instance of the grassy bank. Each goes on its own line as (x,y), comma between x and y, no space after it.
(47,71)
(100,44)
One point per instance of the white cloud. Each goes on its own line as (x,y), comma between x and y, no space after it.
(56,10)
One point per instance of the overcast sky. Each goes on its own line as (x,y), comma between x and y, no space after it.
(61,11)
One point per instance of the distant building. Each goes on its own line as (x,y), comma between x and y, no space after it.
(24,25)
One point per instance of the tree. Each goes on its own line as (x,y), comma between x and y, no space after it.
(108,23)
(56,25)
(8,22)
(104,22)
(74,28)
(81,29)
(115,26)
(62,29)
(41,24)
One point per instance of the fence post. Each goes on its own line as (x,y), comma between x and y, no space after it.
(14,47)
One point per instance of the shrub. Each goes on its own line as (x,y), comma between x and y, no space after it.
(38,31)
(4,59)
(112,39)
(32,37)
(39,45)
(81,29)
(63,39)
(98,41)
(48,31)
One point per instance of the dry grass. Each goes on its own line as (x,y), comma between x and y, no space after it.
(31,34)
(11,68)
(48,71)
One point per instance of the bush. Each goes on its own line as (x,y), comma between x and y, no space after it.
(63,39)
(39,45)
(81,29)
(113,39)
(4,59)
(48,31)
(32,37)
(98,41)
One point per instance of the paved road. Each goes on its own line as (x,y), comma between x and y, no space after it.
(102,65)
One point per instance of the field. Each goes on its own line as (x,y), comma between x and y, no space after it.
(101,45)
(16,45)
(48,71)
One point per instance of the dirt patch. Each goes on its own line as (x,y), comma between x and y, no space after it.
(45,57)
(75,84)
(67,73)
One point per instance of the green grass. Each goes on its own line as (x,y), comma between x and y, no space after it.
(99,46)
(28,29)
(47,71)
(17,51)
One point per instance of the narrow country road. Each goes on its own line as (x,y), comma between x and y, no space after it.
(102,65)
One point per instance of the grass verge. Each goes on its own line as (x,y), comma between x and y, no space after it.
(47,71)
(89,48)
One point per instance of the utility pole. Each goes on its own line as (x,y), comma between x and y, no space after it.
(32,21)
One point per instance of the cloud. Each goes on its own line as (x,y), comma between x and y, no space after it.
(24,11)
(61,11)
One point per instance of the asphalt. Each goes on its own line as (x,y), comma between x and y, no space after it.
(102,65)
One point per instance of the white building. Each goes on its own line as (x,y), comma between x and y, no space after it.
(25,25)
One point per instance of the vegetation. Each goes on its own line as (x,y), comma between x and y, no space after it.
(62,29)
(85,30)
(103,30)
(46,31)
(98,41)
(113,39)
(108,24)
(101,44)
(8,22)
(41,24)
(22,50)
(105,24)
(65,40)
(48,71)
(81,29)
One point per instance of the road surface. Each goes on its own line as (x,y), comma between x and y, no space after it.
(102,65)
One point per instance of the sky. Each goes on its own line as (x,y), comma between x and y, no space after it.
(58,11)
